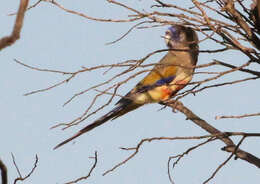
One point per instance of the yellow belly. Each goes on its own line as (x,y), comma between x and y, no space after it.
(160,93)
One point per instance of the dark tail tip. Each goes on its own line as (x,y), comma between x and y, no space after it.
(114,113)
(67,140)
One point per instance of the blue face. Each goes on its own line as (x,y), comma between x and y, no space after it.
(175,34)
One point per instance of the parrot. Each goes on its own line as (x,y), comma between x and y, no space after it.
(172,73)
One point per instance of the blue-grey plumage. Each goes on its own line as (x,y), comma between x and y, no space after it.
(173,72)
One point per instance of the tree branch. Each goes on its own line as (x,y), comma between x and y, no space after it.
(238,117)
(231,147)
(3,172)
(9,40)
(89,173)
(21,178)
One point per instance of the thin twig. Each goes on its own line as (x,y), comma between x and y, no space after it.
(20,178)
(17,169)
(124,35)
(89,17)
(137,148)
(179,157)
(225,162)
(30,7)
(207,127)
(238,117)
(89,173)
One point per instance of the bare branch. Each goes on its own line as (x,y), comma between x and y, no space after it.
(230,7)
(240,69)
(9,40)
(3,172)
(89,17)
(16,167)
(42,70)
(238,117)
(21,178)
(223,84)
(89,173)
(224,136)
(137,148)
(124,35)
(179,157)
(30,7)
(225,162)
(207,127)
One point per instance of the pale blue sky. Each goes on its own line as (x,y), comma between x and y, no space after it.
(54,39)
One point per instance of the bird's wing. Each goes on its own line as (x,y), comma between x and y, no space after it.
(160,76)
(163,71)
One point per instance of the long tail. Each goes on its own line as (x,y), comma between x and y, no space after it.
(121,109)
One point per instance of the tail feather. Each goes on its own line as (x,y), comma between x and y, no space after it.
(121,109)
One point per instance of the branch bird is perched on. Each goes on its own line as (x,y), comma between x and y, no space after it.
(172,73)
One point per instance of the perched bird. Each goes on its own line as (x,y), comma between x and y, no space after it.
(172,73)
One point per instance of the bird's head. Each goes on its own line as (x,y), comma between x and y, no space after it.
(177,37)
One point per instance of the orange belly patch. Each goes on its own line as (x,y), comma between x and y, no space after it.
(166,92)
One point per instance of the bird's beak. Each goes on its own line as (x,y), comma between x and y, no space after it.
(167,38)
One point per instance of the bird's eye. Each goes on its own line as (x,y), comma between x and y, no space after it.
(167,32)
